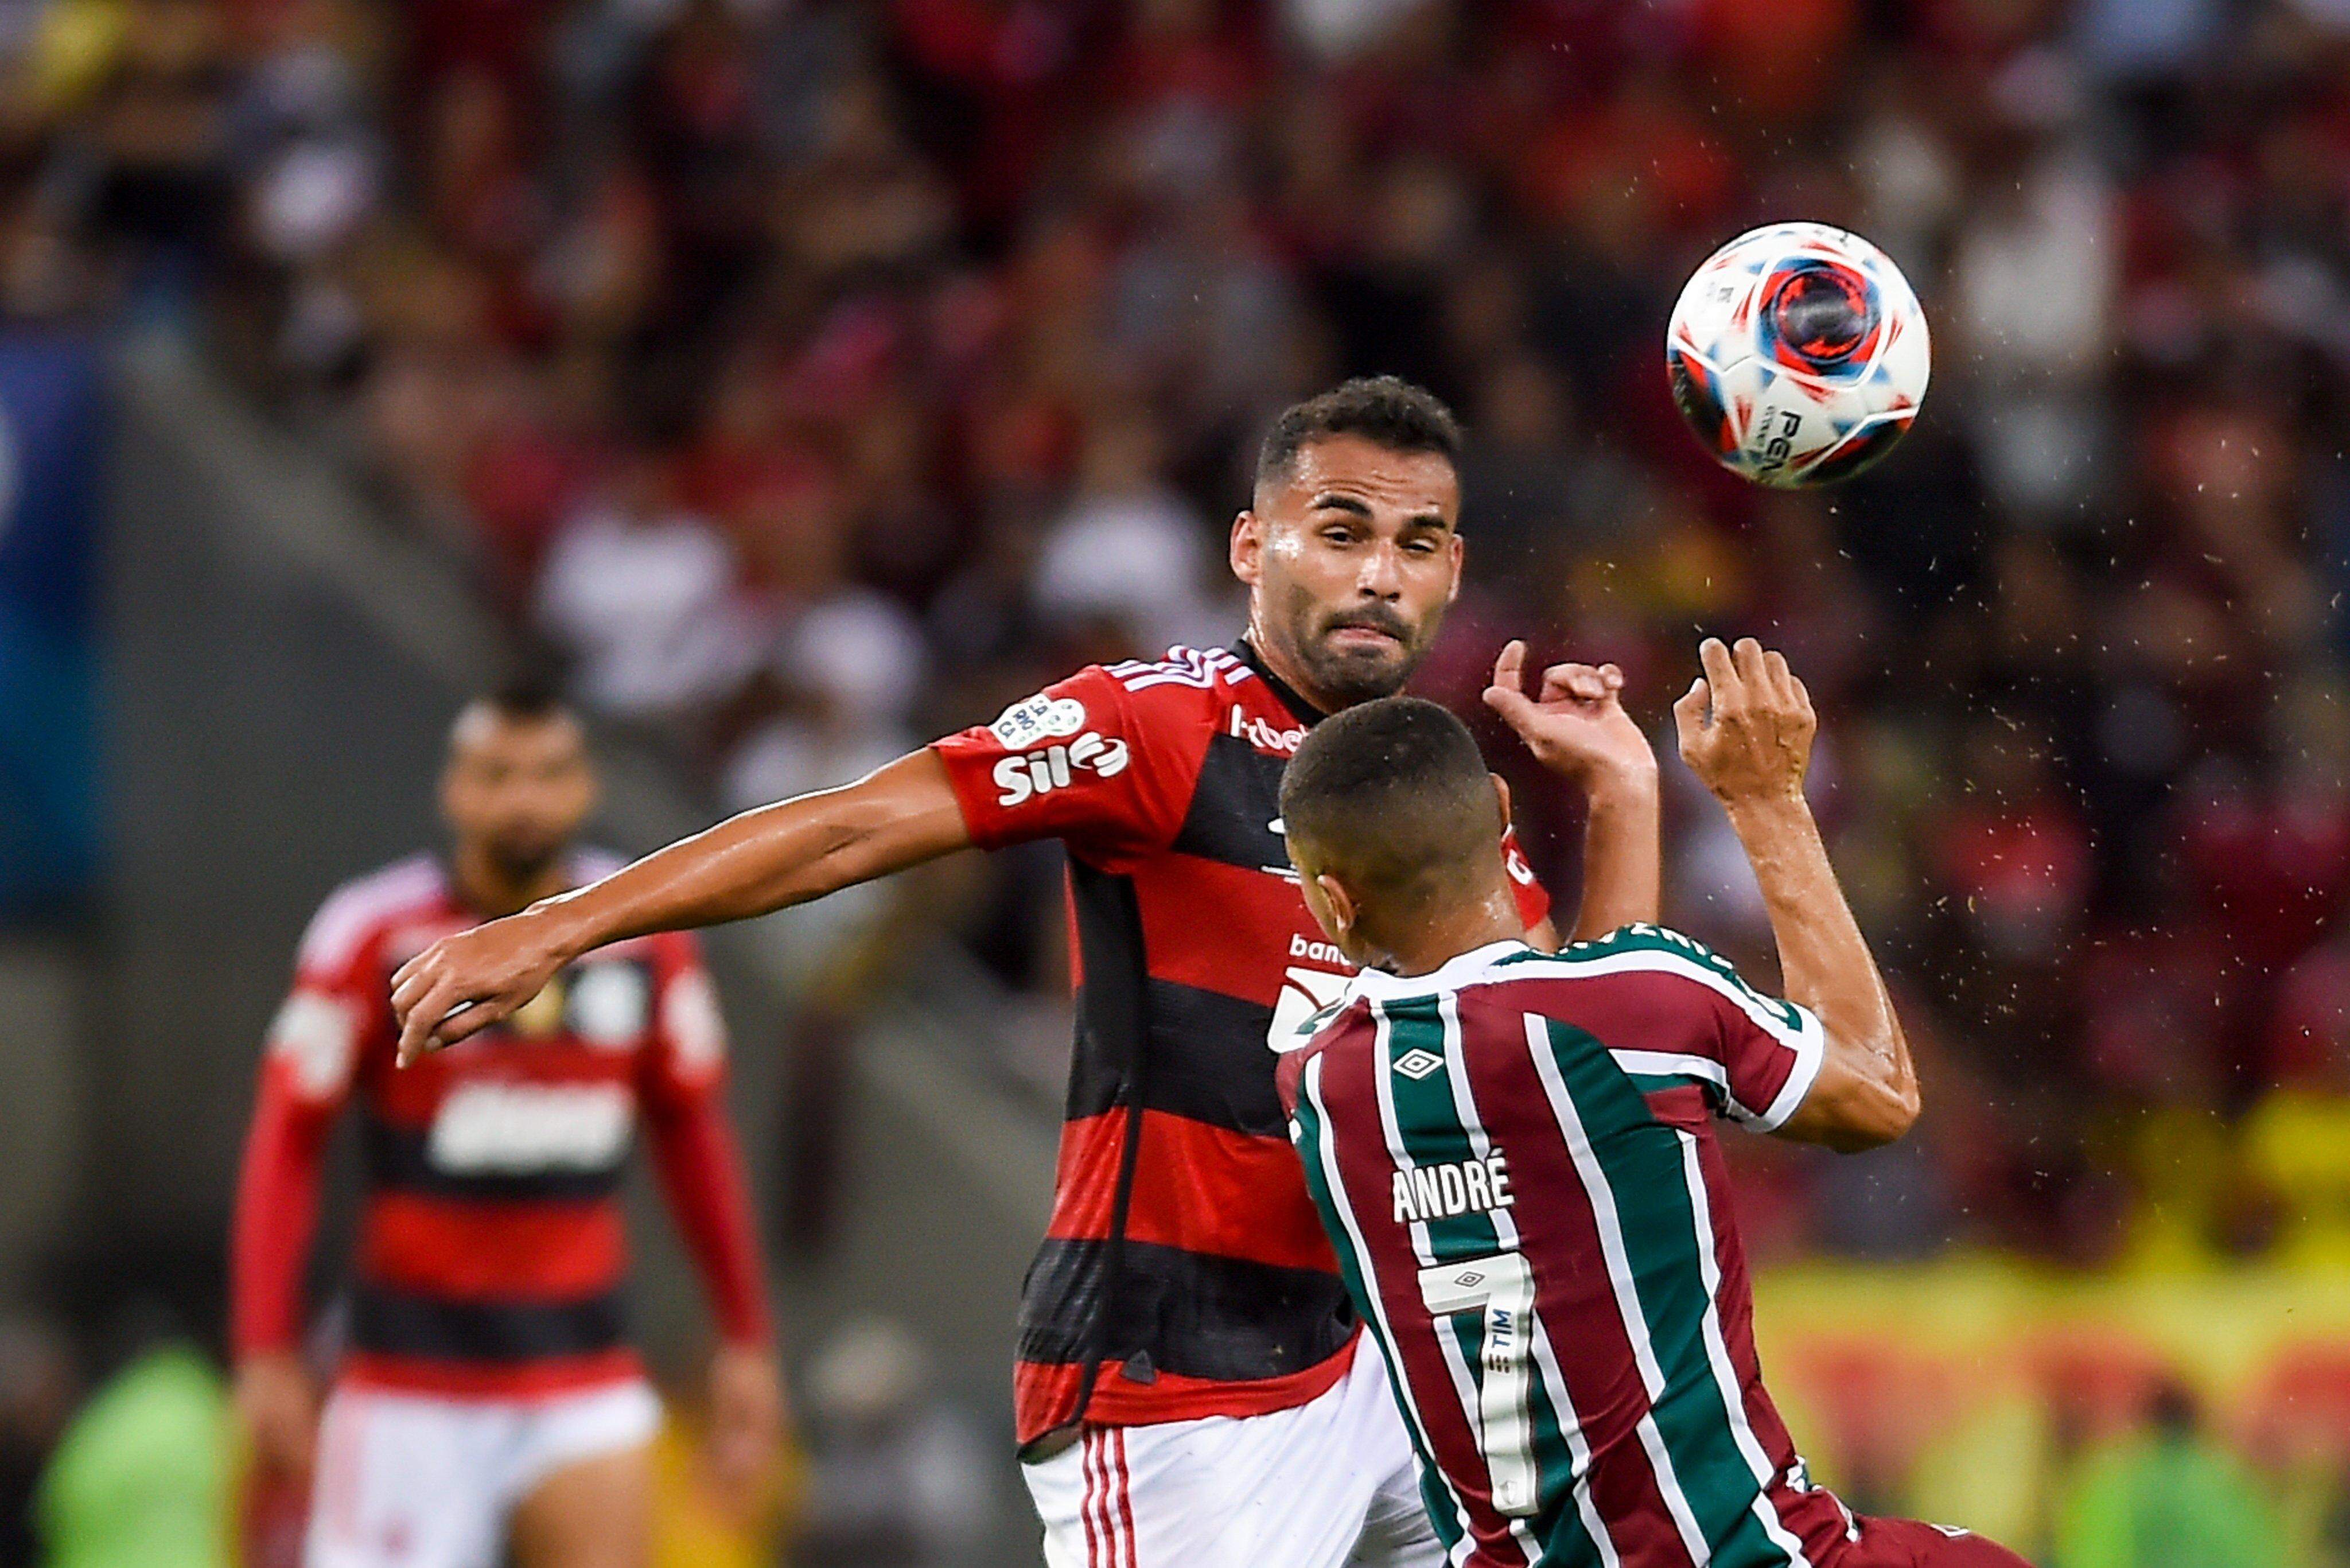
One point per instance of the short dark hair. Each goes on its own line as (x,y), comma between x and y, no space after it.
(1392,796)
(526,699)
(1387,410)
(530,698)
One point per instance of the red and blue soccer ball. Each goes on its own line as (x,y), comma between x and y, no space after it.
(1798,353)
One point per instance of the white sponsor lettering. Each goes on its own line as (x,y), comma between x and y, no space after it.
(510,1128)
(1317,952)
(1036,719)
(1033,773)
(1441,1191)
(1264,737)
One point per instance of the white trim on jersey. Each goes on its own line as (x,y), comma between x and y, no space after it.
(1505,1232)
(1807,1038)
(1200,669)
(1336,1183)
(1717,1355)
(1619,1275)
(1464,1386)
(360,907)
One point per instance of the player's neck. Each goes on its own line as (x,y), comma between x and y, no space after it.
(490,891)
(1283,669)
(1460,928)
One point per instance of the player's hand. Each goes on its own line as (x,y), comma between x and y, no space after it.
(746,1423)
(1577,726)
(463,984)
(1746,724)
(277,1401)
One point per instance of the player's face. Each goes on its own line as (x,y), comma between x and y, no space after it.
(516,790)
(1350,561)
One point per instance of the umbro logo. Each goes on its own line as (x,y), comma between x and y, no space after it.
(1417,1063)
(1470,1281)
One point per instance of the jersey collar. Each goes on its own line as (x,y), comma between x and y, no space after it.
(1464,969)
(1305,712)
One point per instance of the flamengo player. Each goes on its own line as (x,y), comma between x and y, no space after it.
(1187,1391)
(489,1402)
(1514,1154)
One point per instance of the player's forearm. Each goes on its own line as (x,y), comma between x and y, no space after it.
(1621,856)
(1827,965)
(769,858)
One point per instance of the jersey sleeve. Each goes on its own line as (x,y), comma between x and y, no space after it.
(694,1148)
(1533,898)
(1085,759)
(1759,1054)
(308,1064)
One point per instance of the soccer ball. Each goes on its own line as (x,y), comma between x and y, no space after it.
(1798,355)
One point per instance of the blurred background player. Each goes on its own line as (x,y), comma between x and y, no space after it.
(1514,1151)
(487,1399)
(1187,1388)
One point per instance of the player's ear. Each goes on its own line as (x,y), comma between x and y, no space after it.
(1247,547)
(1338,908)
(1502,794)
(1459,548)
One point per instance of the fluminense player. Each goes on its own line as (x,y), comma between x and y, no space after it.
(489,1407)
(1188,1390)
(1514,1154)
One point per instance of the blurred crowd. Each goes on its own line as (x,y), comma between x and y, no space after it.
(813,376)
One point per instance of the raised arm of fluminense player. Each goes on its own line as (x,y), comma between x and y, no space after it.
(1746,728)
(798,850)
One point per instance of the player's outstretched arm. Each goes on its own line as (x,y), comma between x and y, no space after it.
(1577,726)
(1746,728)
(798,850)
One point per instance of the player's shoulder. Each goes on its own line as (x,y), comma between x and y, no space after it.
(1189,688)
(1213,672)
(1313,1038)
(1205,687)
(361,909)
(1638,955)
(1641,945)
(1324,1024)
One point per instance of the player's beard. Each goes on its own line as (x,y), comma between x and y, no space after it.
(522,858)
(1346,674)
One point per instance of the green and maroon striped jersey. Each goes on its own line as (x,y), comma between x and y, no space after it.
(1515,1160)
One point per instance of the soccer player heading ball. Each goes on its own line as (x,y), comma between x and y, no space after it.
(1189,1391)
(1514,1151)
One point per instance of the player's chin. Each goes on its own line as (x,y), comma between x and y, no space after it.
(1358,671)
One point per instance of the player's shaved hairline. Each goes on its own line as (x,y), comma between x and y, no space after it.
(1392,798)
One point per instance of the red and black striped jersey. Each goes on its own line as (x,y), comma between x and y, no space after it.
(1183,1273)
(1515,1155)
(489,1255)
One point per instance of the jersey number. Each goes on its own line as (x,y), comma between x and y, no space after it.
(1502,1288)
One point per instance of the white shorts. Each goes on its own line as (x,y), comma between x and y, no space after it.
(420,1480)
(1330,1483)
